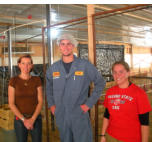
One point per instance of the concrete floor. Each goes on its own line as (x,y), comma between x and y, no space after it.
(7,136)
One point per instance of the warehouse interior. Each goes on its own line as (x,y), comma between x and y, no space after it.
(106,33)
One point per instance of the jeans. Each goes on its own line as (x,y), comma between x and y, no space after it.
(22,132)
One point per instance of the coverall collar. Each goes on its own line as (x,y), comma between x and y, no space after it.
(72,69)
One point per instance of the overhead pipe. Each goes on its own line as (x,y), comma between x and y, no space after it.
(139,8)
(118,13)
(78,19)
(100,13)
(66,22)
(119,9)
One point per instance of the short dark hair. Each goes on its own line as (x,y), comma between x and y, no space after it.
(25,56)
(123,63)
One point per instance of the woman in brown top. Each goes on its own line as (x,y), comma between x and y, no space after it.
(25,100)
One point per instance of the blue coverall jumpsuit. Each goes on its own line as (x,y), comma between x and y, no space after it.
(67,92)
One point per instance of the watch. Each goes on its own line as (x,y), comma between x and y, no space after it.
(102,135)
(23,119)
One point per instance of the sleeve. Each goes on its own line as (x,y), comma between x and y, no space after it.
(49,87)
(143,103)
(38,81)
(144,119)
(106,114)
(12,82)
(99,84)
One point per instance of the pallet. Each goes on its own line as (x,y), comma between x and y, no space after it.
(6,118)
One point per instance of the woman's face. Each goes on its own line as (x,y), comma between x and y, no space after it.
(120,75)
(25,65)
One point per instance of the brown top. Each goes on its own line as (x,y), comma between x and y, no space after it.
(26,93)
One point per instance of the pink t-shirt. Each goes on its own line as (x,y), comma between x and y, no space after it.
(124,106)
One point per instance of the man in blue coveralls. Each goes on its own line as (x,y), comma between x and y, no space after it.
(67,86)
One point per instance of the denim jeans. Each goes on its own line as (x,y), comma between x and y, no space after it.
(22,132)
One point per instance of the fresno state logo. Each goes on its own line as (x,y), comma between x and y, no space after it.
(117,101)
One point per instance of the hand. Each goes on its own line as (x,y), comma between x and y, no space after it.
(103,139)
(28,123)
(84,107)
(52,108)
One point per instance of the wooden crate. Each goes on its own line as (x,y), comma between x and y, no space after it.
(6,118)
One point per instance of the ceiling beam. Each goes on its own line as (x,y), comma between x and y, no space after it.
(8,24)
(106,28)
(128,14)
(105,32)
(19,18)
(27,9)
(12,24)
(23,25)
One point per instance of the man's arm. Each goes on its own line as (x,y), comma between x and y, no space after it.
(49,88)
(99,84)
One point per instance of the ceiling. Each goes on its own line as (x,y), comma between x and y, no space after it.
(26,22)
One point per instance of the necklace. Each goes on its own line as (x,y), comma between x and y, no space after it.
(25,83)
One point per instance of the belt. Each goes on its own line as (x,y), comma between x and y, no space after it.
(27,115)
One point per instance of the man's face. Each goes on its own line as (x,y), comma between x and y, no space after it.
(66,47)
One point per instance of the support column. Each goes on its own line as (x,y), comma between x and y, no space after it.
(49,45)
(131,56)
(92,59)
(91,35)
(10,65)
(49,39)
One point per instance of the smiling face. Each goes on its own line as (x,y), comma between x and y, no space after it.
(66,47)
(25,65)
(120,75)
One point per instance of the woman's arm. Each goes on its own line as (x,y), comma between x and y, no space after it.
(39,105)
(104,128)
(144,121)
(28,123)
(11,101)
(144,133)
